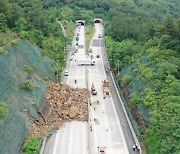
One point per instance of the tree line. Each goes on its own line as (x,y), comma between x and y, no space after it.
(145,34)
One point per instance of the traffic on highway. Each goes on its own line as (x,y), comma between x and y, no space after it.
(108,130)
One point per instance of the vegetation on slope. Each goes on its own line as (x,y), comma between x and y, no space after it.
(152,48)
(89,31)
(31,146)
(143,34)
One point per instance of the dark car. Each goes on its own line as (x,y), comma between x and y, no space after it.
(97,56)
(77,38)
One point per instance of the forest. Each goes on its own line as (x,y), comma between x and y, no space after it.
(143,35)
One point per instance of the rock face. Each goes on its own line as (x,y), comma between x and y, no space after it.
(66,103)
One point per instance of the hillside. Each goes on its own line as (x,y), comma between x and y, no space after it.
(143,45)
(23,85)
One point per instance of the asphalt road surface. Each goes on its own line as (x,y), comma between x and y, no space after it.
(107,125)
(72,138)
(128,134)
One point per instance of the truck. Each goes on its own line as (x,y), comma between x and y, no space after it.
(85,62)
(105,85)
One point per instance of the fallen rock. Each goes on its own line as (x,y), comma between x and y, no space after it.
(74,111)
(66,104)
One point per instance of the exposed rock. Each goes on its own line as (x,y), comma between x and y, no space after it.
(73,111)
(66,103)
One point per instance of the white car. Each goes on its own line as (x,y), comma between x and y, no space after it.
(66,73)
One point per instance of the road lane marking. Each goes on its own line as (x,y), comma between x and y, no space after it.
(106,123)
(69,134)
(56,142)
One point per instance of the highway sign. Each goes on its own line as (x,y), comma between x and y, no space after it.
(69,48)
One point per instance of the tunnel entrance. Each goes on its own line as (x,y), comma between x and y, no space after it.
(80,22)
(97,21)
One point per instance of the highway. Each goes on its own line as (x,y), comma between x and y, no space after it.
(72,137)
(129,135)
(107,125)
(106,129)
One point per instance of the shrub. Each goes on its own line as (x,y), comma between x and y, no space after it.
(127,79)
(3,109)
(27,85)
(28,69)
(135,71)
(135,99)
(31,146)
(15,42)
(3,51)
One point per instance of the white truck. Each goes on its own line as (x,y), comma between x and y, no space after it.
(85,62)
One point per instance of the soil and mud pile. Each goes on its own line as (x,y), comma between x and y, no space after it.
(66,103)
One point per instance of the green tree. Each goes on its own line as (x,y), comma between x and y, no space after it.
(3,109)
(21,25)
(169,26)
(135,98)
(3,23)
(31,146)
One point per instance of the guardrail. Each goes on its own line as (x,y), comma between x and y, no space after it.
(127,114)
(124,106)
(44,138)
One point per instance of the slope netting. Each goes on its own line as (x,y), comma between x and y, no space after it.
(22,104)
(137,86)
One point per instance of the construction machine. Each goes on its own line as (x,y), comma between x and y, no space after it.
(93,90)
(106,89)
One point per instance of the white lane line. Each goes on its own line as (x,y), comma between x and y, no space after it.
(84,138)
(115,111)
(64,140)
(107,125)
(93,143)
(56,142)
(106,120)
(93,114)
(70,134)
(75,134)
(83,141)
(84,49)
(106,102)
(119,126)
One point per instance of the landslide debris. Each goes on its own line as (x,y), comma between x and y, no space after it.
(66,104)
